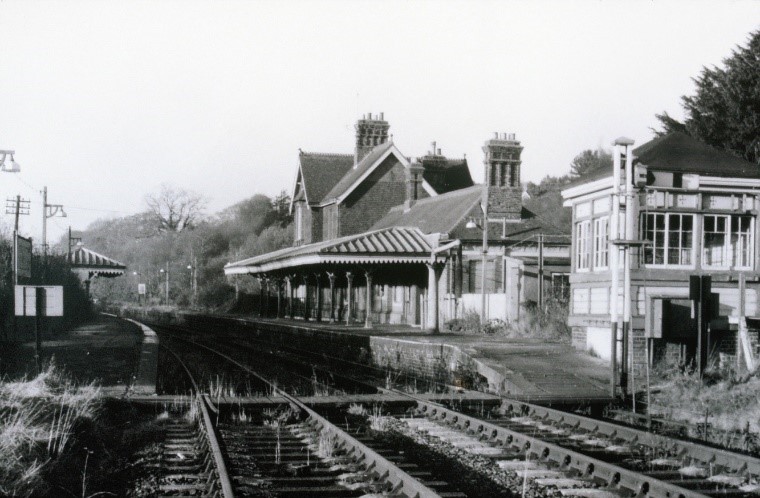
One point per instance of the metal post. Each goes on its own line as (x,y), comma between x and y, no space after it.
(484,264)
(541,271)
(306,310)
(627,291)
(167,283)
(39,296)
(349,297)
(319,297)
(368,310)
(331,277)
(614,267)
(44,225)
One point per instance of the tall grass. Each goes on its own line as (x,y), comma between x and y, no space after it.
(37,420)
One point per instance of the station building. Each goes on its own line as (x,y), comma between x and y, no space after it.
(384,238)
(692,211)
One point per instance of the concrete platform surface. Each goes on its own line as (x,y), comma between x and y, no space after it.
(524,368)
(106,351)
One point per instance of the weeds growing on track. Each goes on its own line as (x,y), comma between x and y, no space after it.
(37,419)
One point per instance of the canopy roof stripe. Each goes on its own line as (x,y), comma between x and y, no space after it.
(83,258)
(388,245)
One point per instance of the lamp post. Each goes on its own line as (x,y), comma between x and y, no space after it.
(166,273)
(194,282)
(484,258)
(13,166)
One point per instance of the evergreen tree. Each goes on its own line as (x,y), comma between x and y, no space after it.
(725,110)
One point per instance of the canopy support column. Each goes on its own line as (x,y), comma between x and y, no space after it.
(319,297)
(306,310)
(331,277)
(261,296)
(368,310)
(434,275)
(349,297)
(278,286)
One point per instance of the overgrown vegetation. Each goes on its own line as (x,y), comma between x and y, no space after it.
(39,417)
(549,322)
(720,406)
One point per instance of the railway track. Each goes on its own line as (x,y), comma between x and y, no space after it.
(289,449)
(576,455)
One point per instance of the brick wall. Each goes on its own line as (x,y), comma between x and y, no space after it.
(505,201)
(431,360)
(380,191)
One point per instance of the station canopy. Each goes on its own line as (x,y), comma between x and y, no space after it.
(388,245)
(87,264)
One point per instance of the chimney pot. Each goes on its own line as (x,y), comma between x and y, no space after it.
(496,135)
(439,151)
(382,116)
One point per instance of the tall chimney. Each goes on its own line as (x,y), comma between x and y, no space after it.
(502,173)
(413,184)
(370,132)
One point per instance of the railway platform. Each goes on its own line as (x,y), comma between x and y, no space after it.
(108,351)
(521,368)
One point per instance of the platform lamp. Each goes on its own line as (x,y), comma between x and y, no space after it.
(484,262)
(12,166)
(166,273)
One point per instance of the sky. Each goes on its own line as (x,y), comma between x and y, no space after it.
(104,101)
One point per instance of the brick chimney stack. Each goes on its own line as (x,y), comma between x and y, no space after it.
(371,131)
(413,184)
(502,174)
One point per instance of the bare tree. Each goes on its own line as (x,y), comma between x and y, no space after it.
(175,209)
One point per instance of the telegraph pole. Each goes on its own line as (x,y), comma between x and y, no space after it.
(48,211)
(16,207)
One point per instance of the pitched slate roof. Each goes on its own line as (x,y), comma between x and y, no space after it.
(353,174)
(680,153)
(396,244)
(447,175)
(81,258)
(439,214)
(449,213)
(320,172)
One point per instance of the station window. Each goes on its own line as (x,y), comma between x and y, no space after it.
(601,243)
(299,222)
(727,241)
(583,245)
(670,237)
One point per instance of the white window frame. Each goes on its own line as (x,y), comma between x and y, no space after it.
(729,248)
(299,222)
(666,241)
(583,243)
(750,235)
(601,242)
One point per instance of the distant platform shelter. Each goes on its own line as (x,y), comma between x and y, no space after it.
(88,264)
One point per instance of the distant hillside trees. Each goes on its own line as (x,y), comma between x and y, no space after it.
(150,241)
(175,209)
(725,109)
(586,161)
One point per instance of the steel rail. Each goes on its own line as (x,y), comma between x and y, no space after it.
(737,462)
(211,437)
(709,455)
(639,484)
(400,482)
(216,450)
